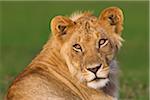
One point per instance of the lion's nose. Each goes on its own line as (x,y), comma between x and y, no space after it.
(94,69)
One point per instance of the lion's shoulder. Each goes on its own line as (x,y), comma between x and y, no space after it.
(39,85)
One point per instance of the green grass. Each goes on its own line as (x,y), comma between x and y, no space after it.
(24,29)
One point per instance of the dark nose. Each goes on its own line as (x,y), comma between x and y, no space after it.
(95,69)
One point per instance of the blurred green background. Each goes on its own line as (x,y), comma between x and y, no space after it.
(24,29)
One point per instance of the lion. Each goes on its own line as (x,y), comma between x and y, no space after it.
(77,63)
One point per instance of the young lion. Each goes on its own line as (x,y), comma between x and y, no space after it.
(78,61)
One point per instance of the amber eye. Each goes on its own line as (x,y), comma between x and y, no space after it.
(77,48)
(102,42)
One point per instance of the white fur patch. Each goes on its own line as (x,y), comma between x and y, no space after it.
(76,15)
(115,99)
(97,84)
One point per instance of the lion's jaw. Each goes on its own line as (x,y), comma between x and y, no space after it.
(97,84)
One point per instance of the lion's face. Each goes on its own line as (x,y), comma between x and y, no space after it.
(90,45)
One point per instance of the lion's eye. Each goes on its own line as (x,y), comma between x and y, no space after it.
(102,42)
(77,48)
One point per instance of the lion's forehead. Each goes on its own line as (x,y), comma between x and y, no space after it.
(88,27)
(91,19)
(87,24)
(81,35)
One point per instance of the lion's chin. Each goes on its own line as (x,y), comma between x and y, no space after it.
(97,84)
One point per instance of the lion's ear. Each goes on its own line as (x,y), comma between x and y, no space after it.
(60,24)
(112,18)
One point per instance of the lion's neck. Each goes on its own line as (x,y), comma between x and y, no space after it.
(112,86)
(50,58)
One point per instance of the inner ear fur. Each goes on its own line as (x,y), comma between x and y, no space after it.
(59,25)
(112,19)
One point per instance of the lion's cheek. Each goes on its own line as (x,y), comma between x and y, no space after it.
(103,73)
(110,57)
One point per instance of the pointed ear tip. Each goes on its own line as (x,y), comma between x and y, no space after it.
(55,18)
(111,10)
(114,7)
(59,19)
(116,10)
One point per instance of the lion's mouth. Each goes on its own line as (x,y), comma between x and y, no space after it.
(97,83)
(98,78)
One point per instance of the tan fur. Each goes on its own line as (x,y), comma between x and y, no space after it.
(62,70)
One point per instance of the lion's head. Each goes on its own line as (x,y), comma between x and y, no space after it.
(89,44)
